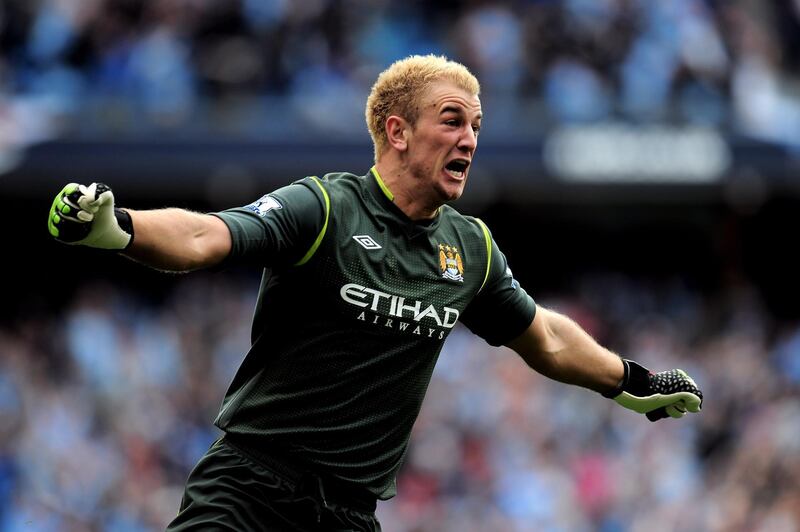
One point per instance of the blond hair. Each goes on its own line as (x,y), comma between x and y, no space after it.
(398,89)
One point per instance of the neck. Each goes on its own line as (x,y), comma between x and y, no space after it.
(398,184)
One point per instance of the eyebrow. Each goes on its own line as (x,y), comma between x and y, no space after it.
(458,110)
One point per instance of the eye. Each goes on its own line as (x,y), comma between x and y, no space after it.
(476,128)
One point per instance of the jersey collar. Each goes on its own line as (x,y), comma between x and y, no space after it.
(381,184)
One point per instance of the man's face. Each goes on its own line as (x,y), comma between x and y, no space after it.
(443,141)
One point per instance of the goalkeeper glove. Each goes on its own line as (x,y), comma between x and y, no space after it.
(86,216)
(668,393)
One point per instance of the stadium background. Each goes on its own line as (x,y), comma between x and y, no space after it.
(638,165)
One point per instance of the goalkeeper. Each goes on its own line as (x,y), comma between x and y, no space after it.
(363,279)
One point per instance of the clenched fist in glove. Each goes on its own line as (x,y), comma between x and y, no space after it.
(668,393)
(86,216)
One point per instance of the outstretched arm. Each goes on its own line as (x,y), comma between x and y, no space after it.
(558,348)
(167,239)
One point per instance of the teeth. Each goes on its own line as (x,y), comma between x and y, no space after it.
(454,173)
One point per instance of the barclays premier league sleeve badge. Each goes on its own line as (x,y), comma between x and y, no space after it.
(262,206)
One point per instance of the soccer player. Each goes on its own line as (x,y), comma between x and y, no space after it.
(364,278)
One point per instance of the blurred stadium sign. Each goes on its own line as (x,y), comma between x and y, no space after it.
(621,153)
(588,164)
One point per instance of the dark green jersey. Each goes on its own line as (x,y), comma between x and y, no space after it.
(355,303)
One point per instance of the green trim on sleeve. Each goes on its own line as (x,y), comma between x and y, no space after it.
(488,238)
(382,184)
(321,235)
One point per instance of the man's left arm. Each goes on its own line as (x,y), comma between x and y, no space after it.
(560,349)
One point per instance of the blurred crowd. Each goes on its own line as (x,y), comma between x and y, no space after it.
(107,401)
(260,67)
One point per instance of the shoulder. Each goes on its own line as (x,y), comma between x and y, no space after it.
(464,223)
(345,192)
(330,184)
(334,183)
(341,180)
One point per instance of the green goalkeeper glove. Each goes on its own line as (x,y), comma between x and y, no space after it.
(86,216)
(668,393)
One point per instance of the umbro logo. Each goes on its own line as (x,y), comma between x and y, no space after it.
(366,242)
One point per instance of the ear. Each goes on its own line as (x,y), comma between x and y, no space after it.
(397,132)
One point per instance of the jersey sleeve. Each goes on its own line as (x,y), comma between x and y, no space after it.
(502,309)
(278,229)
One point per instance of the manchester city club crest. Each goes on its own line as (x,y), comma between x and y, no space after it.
(450,263)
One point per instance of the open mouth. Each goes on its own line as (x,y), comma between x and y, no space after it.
(457,168)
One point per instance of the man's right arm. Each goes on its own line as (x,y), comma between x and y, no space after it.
(178,240)
(167,239)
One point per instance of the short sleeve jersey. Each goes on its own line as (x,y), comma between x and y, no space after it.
(356,301)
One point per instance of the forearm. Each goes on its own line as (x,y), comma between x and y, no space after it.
(560,349)
(177,240)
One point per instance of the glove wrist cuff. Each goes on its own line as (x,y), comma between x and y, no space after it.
(636,381)
(615,391)
(125,223)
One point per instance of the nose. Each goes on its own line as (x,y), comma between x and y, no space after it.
(468,140)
